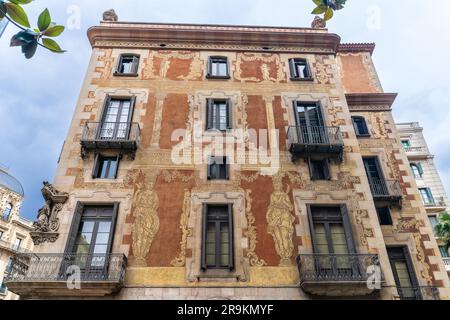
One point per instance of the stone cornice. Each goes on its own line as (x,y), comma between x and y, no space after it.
(264,38)
(356,47)
(370,101)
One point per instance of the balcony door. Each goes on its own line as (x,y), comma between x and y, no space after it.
(116,119)
(90,240)
(404,275)
(310,124)
(333,244)
(375,176)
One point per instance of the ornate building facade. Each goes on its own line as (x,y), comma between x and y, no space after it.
(208,161)
(14,230)
(431,188)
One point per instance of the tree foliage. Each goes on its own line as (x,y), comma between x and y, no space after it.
(443,229)
(327,7)
(29,39)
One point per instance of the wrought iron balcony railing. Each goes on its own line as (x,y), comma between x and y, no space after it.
(58,267)
(309,140)
(418,293)
(446,261)
(385,189)
(422,150)
(335,267)
(124,136)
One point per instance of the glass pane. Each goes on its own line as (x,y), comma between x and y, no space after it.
(404,279)
(100,249)
(320,239)
(104,226)
(102,238)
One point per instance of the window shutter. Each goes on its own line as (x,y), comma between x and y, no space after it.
(231,237)
(326,169)
(119,65)
(348,229)
(227,168)
(210,162)
(419,165)
(355,126)
(209,66)
(135,64)
(204,224)
(311,169)
(292,68)
(117,165)
(229,115)
(74,228)
(209,114)
(96,167)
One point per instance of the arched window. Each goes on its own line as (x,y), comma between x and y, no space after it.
(417,170)
(7,211)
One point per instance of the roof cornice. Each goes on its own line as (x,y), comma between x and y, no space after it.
(318,39)
(364,99)
(356,47)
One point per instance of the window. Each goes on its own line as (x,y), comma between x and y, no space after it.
(106,167)
(91,236)
(217,237)
(417,170)
(7,211)
(310,123)
(406,144)
(17,243)
(218,115)
(116,119)
(319,169)
(218,168)
(128,64)
(384,216)
(9,266)
(444,252)
(403,271)
(218,68)
(427,197)
(434,221)
(299,69)
(360,126)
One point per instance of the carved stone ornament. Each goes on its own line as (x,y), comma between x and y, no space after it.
(110,15)
(318,23)
(47,224)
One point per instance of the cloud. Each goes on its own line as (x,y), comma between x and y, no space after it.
(38,96)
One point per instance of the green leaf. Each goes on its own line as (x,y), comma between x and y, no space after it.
(51,45)
(20,1)
(320,9)
(328,15)
(44,20)
(17,14)
(54,31)
(22,38)
(30,49)
(318,2)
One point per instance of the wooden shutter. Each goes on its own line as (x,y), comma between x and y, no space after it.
(230,237)
(119,65)
(355,126)
(209,66)
(348,229)
(210,162)
(229,115)
(113,226)
(119,156)
(326,169)
(204,225)
(135,64)
(74,228)
(311,169)
(292,68)
(311,229)
(96,167)
(209,114)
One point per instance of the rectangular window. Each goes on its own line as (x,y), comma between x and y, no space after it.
(384,216)
(106,167)
(218,68)
(116,121)
(300,69)
(17,244)
(444,252)
(128,64)
(360,126)
(427,197)
(218,115)
(217,237)
(218,168)
(434,222)
(406,144)
(319,169)
(403,271)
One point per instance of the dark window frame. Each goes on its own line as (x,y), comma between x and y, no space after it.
(98,164)
(212,103)
(213,59)
(419,170)
(212,160)
(108,99)
(294,76)
(231,242)
(429,194)
(386,220)
(408,261)
(366,132)
(325,169)
(135,65)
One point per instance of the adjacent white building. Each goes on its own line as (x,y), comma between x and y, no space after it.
(14,230)
(427,176)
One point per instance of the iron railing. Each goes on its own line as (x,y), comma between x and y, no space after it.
(446,261)
(59,266)
(416,150)
(315,135)
(385,188)
(335,267)
(418,293)
(110,131)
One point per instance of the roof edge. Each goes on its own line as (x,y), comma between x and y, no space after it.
(356,47)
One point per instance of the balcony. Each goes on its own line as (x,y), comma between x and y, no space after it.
(386,192)
(418,293)
(66,275)
(13,248)
(419,152)
(336,275)
(447,264)
(315,141)
(121,136)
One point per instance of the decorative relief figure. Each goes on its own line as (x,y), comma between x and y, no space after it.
(195,65)
(186,232)
(281,221)
(320,71)
(47,224)
(266,61)
(255,261)
(146,220)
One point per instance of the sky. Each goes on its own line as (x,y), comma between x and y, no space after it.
(38,96)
